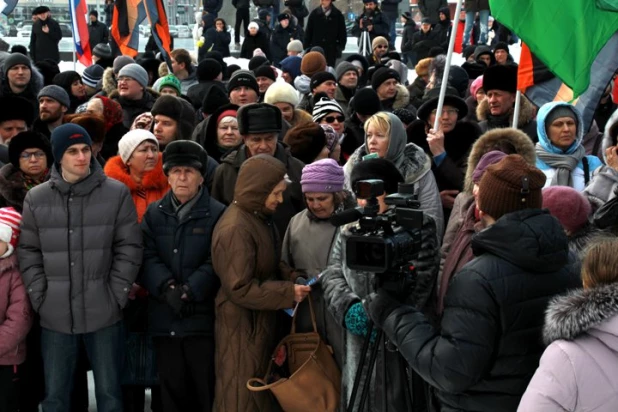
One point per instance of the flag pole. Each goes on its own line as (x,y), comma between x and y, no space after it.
(516,109)
(447,68)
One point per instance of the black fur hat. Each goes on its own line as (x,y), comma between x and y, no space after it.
(259,118)
(500,77)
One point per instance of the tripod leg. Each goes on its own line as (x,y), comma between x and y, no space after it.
(372,362)
(359,369)
(384,377)
(408,383)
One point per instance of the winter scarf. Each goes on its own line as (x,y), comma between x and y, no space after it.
(30,182)
(563,163)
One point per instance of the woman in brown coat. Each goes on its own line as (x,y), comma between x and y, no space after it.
(246,255)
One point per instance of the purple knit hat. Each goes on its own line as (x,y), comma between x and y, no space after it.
(323,176)
(488,159)
(331,136)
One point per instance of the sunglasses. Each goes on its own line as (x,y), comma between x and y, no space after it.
(331,119)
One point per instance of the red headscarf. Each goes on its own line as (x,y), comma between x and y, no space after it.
(112,112)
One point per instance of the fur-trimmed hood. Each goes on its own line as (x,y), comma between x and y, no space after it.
(576,313)
(610,136)
(109,81)
(402,98)
(527,112)
(152,180)
(499,139)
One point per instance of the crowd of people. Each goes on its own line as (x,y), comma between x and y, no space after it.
(157,222)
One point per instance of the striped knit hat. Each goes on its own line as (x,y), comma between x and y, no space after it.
(9,228)
(325,106)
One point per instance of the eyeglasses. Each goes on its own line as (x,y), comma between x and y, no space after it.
(125,79)
(331,119)
(450,112)
(37,155)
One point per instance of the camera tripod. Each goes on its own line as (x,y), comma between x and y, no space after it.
(364,44)
(379,341)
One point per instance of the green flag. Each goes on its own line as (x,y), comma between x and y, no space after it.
(566,35)
(611,5)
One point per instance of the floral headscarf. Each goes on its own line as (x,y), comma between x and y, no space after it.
(112,112)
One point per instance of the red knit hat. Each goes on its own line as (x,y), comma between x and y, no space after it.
(9,228)
(569,206)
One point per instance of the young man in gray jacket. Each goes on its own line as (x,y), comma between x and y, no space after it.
(79,253)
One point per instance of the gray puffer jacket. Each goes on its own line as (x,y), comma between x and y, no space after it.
(79,251)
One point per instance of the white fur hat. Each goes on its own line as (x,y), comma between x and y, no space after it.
(281,92)
(131,140)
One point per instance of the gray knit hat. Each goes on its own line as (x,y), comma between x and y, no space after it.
(120,62)
(295,46)
(343,68)
(14,59)
(57,93)
(135,71)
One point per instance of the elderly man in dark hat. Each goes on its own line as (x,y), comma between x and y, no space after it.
(448,146)
(182,285)
(46,35)
(259,125)
(500,85)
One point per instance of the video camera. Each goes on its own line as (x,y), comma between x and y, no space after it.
(385,242)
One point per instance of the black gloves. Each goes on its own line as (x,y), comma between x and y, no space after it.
(172,297)
(379,306)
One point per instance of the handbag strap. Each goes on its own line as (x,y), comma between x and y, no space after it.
(261,385)
(315,326)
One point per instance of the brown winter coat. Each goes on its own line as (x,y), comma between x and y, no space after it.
(12,188)
(506,140)
(245,254)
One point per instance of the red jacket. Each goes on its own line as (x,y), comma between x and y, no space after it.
(15,313)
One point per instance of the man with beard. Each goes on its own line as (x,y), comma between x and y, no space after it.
(372,20)
(347,78)
(54,102)
(20,79)
(46,35)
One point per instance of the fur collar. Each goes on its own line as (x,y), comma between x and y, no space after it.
(153,180)
(572,315)
(402,98)
(611,133)
(492,140)
(109,83)
(527,111)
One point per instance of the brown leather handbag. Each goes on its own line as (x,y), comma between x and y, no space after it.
(302,373)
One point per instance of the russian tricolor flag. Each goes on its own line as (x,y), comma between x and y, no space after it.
(79,25)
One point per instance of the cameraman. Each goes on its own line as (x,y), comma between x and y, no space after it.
(490,340)
(371,20)
(344,289)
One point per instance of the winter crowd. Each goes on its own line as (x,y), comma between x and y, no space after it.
(156,222)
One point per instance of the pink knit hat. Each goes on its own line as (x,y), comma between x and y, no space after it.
(475,86)
(323,176)
(488,159)
(569,206)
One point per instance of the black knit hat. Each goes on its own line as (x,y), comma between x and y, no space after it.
(259,118)
(208,70)
(383,74)
(257,61)
(366,102)
(502,46)
(265,71)
(243,78)
(213,99)
(306,141)
(321,77)
(185,153)
(500,77)
(178,109)
(29,140)
(283,16)
(16,108)
(381,169)
(213,54)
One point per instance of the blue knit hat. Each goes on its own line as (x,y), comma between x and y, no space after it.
(65,136)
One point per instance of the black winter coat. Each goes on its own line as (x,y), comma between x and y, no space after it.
(279,40)
(380,25)
(216,41)
(490,340)
(212,6)
(45,45)
(179,251)
(97,33)
(241,4)
(328,32)
(259,41)
(422,43)
(408,31)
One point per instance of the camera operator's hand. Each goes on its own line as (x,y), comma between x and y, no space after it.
(370,27)
(448,198)
(301,292)
(379,306)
